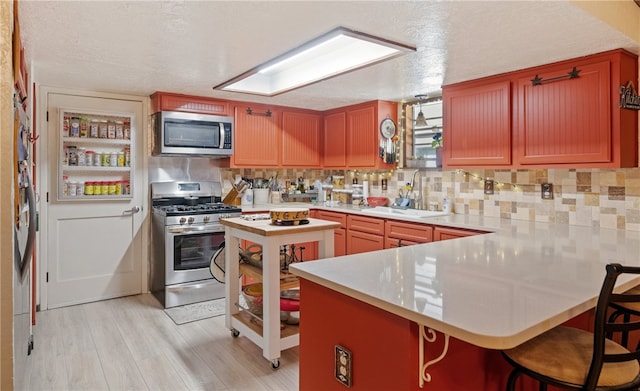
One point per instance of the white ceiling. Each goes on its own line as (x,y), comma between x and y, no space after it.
(139,47)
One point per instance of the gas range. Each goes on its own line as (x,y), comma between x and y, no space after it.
(190,203)
(196,214)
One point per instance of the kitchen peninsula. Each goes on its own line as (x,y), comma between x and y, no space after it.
(470,297)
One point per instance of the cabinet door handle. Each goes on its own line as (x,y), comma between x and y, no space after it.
(133,210)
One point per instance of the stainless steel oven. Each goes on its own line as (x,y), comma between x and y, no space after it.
(185,234)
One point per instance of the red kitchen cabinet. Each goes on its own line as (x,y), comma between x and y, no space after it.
(166,101)
(399,233)
(577,121)
(361,242)
(364,234)
(477,124)
(300,139)
(562,122)
(446,233)
(258,137)
(360,141)
(339,237)
(334,140)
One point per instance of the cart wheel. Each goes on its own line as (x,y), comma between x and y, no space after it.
(275,363)
(235,333)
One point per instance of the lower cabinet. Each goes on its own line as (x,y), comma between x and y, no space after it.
(446,233)
(364,234)
(399,233)
(340,237)
(362,242)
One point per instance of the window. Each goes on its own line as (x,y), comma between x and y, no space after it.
(418,149)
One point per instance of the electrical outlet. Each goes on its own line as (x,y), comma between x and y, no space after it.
(488,186)
(546,191)
(343,365)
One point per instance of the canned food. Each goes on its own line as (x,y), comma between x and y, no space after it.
(102,129)
(94,127)
(106,159)
(88,188)
(75,127)
(97,188)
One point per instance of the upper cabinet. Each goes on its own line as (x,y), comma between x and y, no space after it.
(167,101)
(258,137)
(564,114)
(301,139)
(477,124)
(352,135)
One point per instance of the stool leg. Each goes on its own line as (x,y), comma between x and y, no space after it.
(513,377)
(543,386)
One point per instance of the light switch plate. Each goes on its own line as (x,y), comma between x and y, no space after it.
(343,365)
(546,191)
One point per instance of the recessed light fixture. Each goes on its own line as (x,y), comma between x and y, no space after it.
(339,51)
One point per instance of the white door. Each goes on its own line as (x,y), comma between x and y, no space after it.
(93,247)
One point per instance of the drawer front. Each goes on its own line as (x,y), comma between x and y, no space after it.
(361,242)
(370,225)
(420,233)
(393,242)
(444,233)
(333,216)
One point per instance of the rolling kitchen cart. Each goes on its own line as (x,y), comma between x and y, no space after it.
(269,337)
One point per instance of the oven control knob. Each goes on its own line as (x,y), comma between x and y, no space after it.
(182,220)
(191,220)
(206,219)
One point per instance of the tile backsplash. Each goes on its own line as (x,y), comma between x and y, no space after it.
(587,197)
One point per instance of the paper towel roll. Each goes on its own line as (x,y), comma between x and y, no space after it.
(365,191)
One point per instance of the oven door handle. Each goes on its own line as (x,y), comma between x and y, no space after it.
(199,229)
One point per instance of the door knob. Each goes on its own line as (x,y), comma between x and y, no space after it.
(133,210)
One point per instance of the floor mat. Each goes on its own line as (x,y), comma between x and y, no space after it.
(196,311)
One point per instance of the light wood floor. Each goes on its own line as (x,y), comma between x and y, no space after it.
(131,344)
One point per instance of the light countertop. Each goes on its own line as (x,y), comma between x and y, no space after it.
(494,290)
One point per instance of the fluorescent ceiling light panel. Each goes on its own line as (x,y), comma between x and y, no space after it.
(337,52)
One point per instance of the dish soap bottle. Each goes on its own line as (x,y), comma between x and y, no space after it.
(446,208)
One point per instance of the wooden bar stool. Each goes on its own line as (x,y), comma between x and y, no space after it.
(626,310)
(576,359)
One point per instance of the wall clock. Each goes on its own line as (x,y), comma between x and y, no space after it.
(388,128)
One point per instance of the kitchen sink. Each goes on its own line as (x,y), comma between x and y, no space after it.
(386,211)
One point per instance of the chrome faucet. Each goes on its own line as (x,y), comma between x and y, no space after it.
(418,199)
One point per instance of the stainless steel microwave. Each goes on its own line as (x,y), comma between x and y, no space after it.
(190,134)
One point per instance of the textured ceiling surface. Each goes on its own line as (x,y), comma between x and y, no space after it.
(139,47)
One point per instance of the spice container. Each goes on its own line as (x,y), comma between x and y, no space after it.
(111,129)
(119,130)
(73,188)
(97,158)
(73,155)
(102,129)
(65,185)
(66,124)
(97,188)
(82,156)
(80,188)
(120,159)
(127,129)
(104,188)
(127,156)
(74,130)
(113,159)
(88,188)
(94,128)
(88,159)
(84,127)
(106,159)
